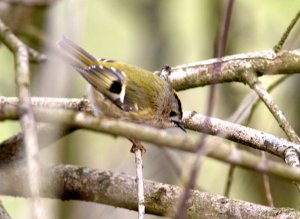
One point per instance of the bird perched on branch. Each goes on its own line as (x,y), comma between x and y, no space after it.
(124,91)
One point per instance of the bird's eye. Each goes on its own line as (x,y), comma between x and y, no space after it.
(172,114)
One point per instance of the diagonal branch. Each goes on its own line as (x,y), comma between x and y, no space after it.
(251,79)
(286,33)
(3,212)
(290,155)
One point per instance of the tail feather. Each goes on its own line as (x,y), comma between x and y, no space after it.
(105,78)
(76,55)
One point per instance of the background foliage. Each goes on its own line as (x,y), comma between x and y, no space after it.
(151,34)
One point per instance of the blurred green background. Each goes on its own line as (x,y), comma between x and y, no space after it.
(150,34)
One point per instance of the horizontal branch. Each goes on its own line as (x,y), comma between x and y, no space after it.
(10,150)
(194,121)
(263,63)
(67,182)
(52,103)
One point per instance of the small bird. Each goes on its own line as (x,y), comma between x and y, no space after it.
(124,91)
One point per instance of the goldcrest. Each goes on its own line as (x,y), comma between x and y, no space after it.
(125,92)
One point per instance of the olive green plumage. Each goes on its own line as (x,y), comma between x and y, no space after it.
(124,91)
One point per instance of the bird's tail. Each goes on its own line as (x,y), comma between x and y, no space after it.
(77,56)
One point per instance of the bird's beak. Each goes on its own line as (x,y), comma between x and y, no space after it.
(179,124)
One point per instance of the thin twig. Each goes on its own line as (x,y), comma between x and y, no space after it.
(266,180)
(220,52)
(256,85)
(175,161)
(258,100)
(177,164)
(35,56)
(27,119)
(221,44)
(140,183)
(251,79)
(244,109)
(279,45)
(3,213)
(229,180)
(183,204)
(138,150)
(267,185)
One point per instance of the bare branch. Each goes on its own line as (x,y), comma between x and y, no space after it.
(140,183)
(194,121)
(264,63)
(267,185)
(221,44)
(239,133)
(229,180)
(67,182)
(26,115)
(257,86)
(279,45)
(35,56)
(255,100)
(3,212)
(53,103)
